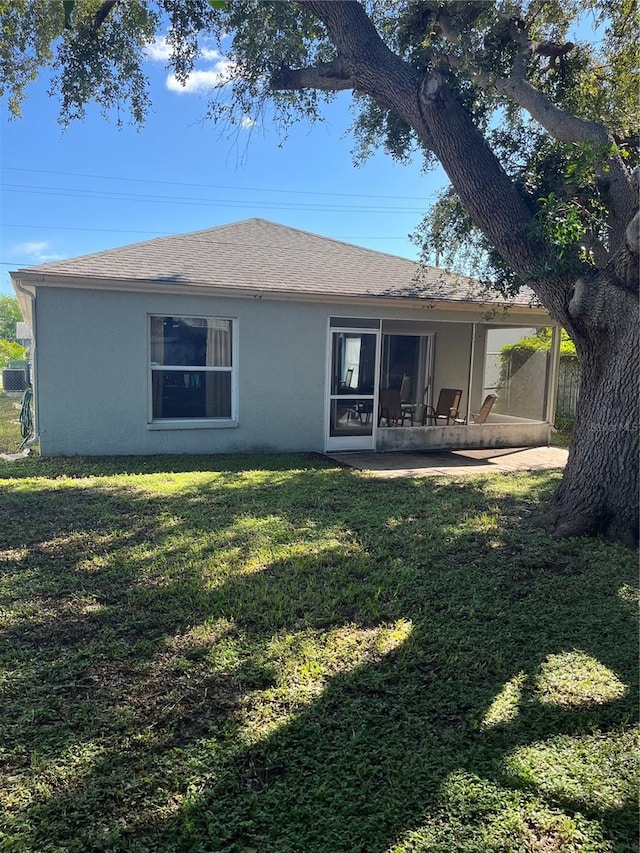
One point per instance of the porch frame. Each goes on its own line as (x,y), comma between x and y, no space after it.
(498,431)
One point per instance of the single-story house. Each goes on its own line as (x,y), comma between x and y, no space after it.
(254,336)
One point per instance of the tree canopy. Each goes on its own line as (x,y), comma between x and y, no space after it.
(10,314)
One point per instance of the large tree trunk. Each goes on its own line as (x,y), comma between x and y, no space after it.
(599,491)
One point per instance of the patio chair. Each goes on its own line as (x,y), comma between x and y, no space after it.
(363,411)
(481,416)
(391,409)
(405,397)
(446,408)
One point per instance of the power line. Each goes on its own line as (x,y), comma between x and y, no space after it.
(218,186)
(20,263)
(97,230)
(153,233)
(108,195)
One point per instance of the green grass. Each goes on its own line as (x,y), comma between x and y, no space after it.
(10,438)
(276,655)
(560,439)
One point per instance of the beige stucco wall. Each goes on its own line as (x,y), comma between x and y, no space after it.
(92,370)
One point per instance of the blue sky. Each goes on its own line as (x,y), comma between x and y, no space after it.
(95,186)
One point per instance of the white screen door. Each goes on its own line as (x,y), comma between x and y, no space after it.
(353,389)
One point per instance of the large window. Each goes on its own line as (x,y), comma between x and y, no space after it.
(192,368)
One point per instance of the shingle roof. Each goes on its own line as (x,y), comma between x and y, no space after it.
(257,255)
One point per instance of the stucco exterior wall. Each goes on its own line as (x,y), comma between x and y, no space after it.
(93,376)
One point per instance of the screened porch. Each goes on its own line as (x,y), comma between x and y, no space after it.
(411,362)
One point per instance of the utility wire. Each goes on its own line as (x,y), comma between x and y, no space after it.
(109,195)
(157,233)
(218,186)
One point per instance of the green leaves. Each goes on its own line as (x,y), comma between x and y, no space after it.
(560,222)
(10,314)
(10,350)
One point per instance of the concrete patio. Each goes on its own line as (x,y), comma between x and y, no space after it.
(453,463)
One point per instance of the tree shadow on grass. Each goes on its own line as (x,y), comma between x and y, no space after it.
(369,759)
(363,759)
(104,466)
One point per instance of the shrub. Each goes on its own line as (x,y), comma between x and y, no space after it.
(9,350)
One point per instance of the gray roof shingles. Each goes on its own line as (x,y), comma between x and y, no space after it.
(258,255)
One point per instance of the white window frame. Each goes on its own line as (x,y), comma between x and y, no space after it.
(194,423)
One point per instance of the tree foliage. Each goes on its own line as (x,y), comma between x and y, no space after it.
(10,350)
(539,341)
(10,314)
(563,182)
(514,356)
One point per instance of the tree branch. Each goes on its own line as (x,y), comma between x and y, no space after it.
(327,76)
(601,256)
(444,126)
(102,14)
(429,106)
(569,128)
(562,125)
(616,183)
(566,127)
(446,27)
(362,58)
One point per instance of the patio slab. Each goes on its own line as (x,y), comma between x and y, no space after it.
(453,463)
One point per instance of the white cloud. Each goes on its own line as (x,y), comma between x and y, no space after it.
(202,80)
(158,50)
(37,251)
(219,70)
(210,54)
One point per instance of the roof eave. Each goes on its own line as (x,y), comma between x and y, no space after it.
(35,278)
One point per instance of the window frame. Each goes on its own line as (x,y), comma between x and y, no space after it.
(193,423)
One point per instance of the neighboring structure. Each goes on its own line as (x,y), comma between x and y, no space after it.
(23,334)
(258,337)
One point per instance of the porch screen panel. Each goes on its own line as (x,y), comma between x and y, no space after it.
(191,368)
(517,369)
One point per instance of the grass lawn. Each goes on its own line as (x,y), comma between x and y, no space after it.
(10,438)
(274,655)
